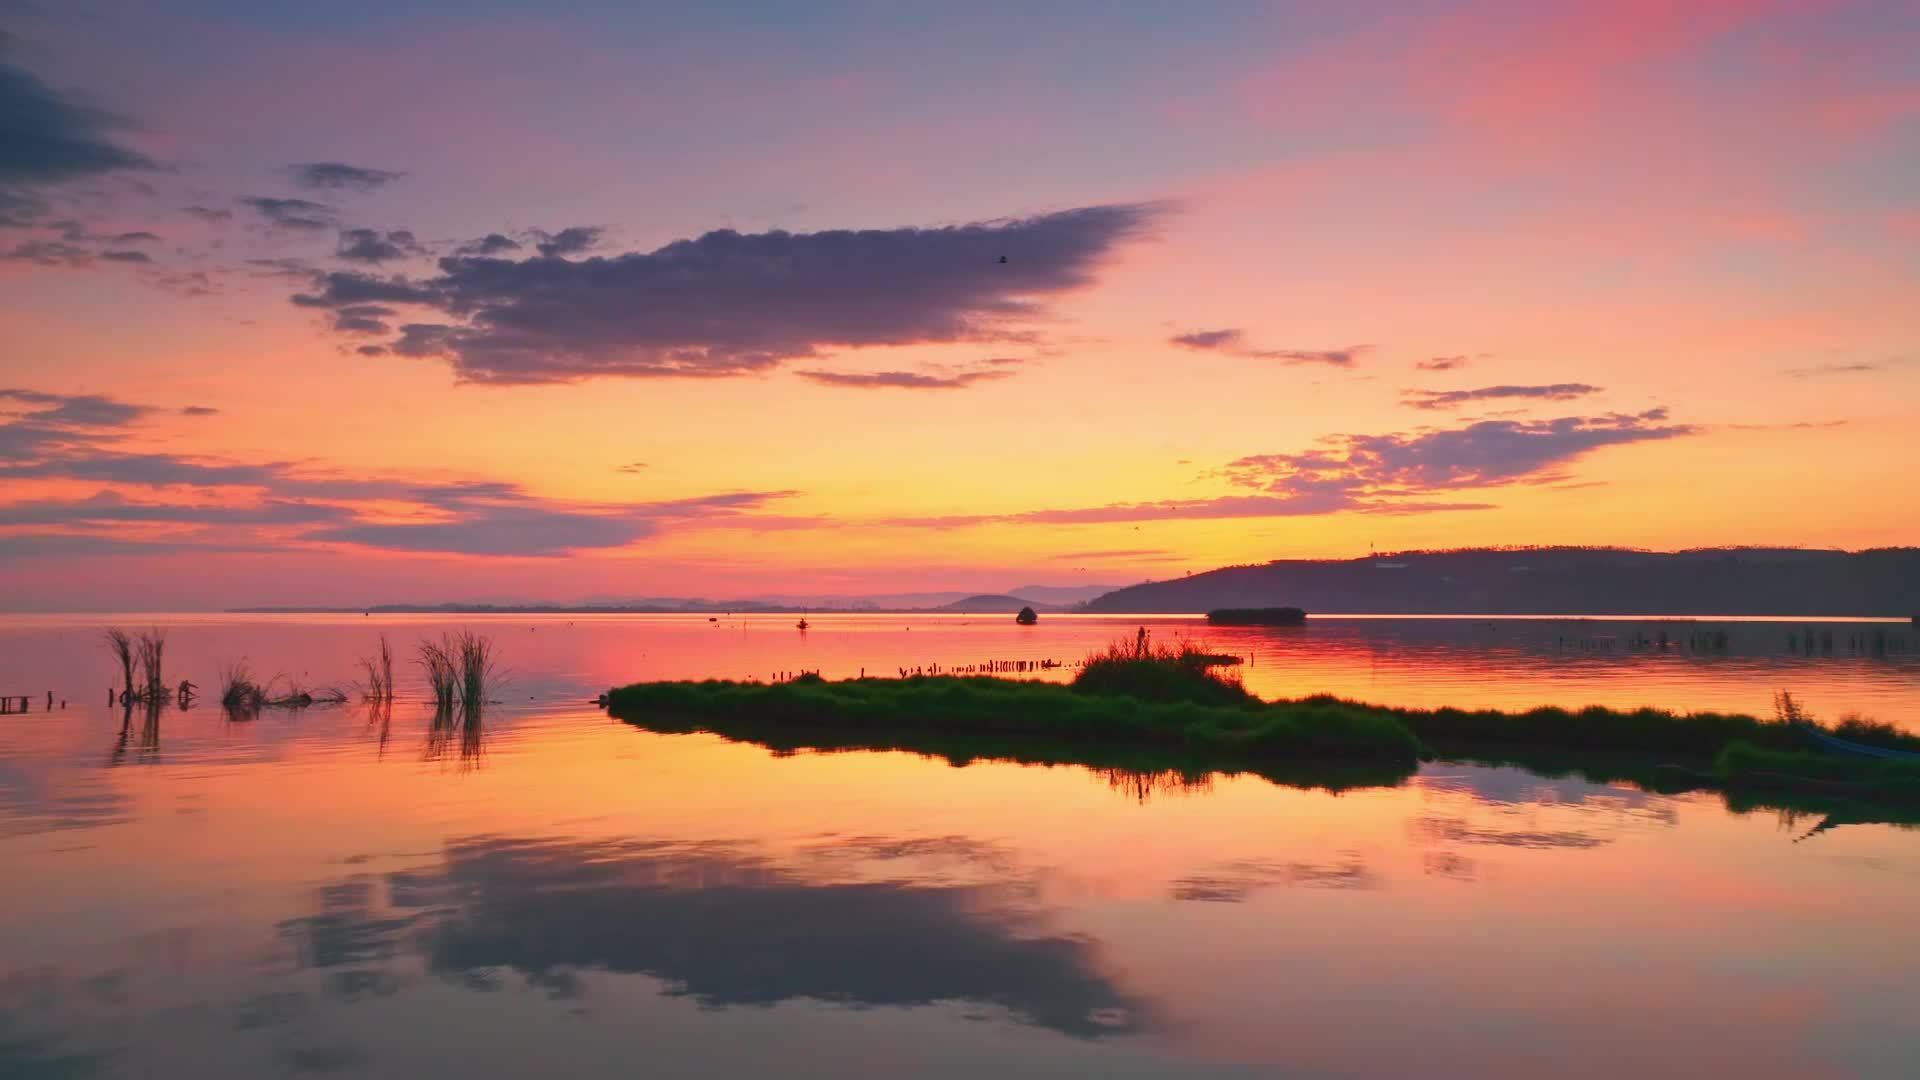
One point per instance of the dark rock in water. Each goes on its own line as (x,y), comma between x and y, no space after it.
(1027,617)
(1271,616)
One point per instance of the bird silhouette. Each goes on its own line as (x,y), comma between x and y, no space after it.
(1003,258)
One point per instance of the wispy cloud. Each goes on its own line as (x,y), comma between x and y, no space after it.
(1448,399)
(568,241)
(490,244)
(1419,472)
(49,141)
(373,246)
(912,380)
(1441,363)
(81,437)
(1390,469)
(299,215)
(1233,342)
(336,176)
(1821,370)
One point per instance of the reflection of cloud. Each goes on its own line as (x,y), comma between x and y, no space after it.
(1506,787)
(26,1058)
(271,1009)
(1450,864)
(322,1059)
(924,859)
(1432,827)
(724,928)
(32,801)
(1234,881)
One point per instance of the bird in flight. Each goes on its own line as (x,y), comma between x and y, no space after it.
(1003,258)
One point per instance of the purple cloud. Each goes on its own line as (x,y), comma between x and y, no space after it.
(1818,370)
(76,437)
(362,319)
(300,215)
(1233,342)
(1401,473)
(336,176)
(1448,399)
(344,288)
(912,380)
(373,246)
(569,241)
(48,141)
(728,303)
(490,244)
(1489,453)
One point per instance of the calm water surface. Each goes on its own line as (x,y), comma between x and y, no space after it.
(564,895)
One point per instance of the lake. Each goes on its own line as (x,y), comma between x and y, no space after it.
(560,894)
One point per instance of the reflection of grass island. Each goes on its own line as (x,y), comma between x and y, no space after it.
(1152,708)
(1257,616)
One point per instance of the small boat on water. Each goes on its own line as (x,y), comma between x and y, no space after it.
(1847,746)
(801,625)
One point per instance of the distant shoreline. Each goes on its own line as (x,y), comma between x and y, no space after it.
(815,612)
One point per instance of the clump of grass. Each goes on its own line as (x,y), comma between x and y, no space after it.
(1788,711)
(436,660)
(460,670)
(243,696)
(1743,764)
(239,693)
(378,668)
(1001,708)
(474,655)
(121,646)
(147,651)
(152,650)
(1856,728)
(1139,668)
(1156,701)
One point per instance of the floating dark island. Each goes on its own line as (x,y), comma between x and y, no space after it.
(1258,616)
(1136,702)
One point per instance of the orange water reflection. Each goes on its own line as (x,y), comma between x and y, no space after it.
(288,894)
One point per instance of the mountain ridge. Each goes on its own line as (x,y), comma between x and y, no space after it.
(1877,582)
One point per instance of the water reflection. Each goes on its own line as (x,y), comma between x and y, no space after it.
(451,728)
(721,926)
(25,1057)
(1141,785)
(1233,882)
(36,799)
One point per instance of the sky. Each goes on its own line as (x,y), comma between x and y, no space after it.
(375,302)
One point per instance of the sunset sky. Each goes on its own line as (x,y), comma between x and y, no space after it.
(373,301)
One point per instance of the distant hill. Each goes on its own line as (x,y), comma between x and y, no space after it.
(992,605)
(1061,595)
(1546,581)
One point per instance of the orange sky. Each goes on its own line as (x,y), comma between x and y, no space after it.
(1667,251)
